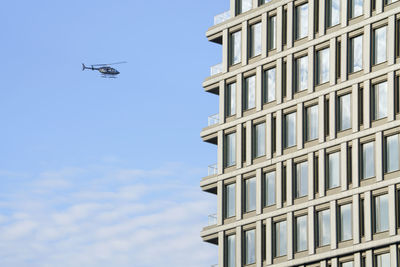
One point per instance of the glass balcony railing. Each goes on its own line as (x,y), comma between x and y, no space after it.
(213,119)
(216,69)
(222,17)
(212,219)
(212,170)
(215,265)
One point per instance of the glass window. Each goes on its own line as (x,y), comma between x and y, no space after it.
(231,251)
(236,47)
(323,66)
(344,103)
(280,239)
(269,184)
(368,162)
(301,233)
(259,140)
(356,8)
(347,264)
(390,1)
(381,213)
(301,183)
(380,101)
(255,40)
(312,123)
(243,6)
(290,129)
(272,33)
(269,85)
(346,232)
(301,74)
(392,153)
(379,45)
(333,16)
(250,93)
(230,200)
(250,245)
(324,228)
(382,260)
(264,1)
(250,195)
(230,149)
(356,57)
(231,99)
(333,170)
(301,25)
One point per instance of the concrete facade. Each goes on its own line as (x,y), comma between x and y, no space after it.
(370,236)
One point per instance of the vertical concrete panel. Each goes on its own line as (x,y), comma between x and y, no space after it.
(264,44)
(222,90)
(311,231)
(332,61)
(332,112)
(393,255)
(279,141)
(239,93)
(333,224)
(378,156)
(310,68)
(220,204)
(290,238)
(289,182)
(310,176)
(379,6)
(368,258)
(355,163)
(221,245)
(244,42)
(391,96)
(279,197)
(367,48)
(392,210)
(258,191)
(239,195)
(356,219)
(249,148)
(255,3)
(259,243)
(354,108)
(357,259)
(391,40)
(367,9)
(279,30)
(290,15)
(259,99)
(268,239)
(334,262)
(225,50)
(343,166)
(323,263)
(321,172)
(233,8)
(238,246)
(279,81)
(289,77)
(321,119)
(367,217)
(343,57)
(310,20)
(321,22)
(239,146)
(343,8)
(220,148)
(299,124)
(269,135)
(367,104)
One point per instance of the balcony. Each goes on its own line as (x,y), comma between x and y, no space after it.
(215,265)
(216,69)
(213,119)
(212,170)
(222,17)
(212,219)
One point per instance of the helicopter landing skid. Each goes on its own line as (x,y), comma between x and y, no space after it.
(109,77)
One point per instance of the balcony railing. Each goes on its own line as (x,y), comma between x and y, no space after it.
(212,219)
(213,119)
(212,170)
(216,69)
(215,265)
(222,17)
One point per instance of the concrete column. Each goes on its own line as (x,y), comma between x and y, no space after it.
(393,255)
(390,96)
(299,123)
(221,249)
(222,90)
(379,6)
(289,77)
(269,136)
(264,44)
(333,224)
(310,20)
(368,258)
(391,41)
(290,15)
(290,238)
(311,176)
(392,210)
(255,3)
(321,119)
(259,191)
(238,246)
(311,230)
(310,69)
(354,108)
(334,262)
(249,150)
(343,56)
(239,146)
(356,219)
(220,148)
(259,100)
(279,29)
(332,60)
(323,263)
(268,243)
(225,50)
(332,112)
(343,166)
(279,197)
(355,163)
(357,259)
(233,8)
(321,172)
(259,240)
(220,200)
(367,9)
(289,182)
(279,68)
(245,26)
(343,10)
(321,22)
(367,47)
(367,104)
(239,93)
(279,140)
(378,156)
(239,195)
(367,217)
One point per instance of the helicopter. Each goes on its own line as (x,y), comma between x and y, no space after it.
(105,69)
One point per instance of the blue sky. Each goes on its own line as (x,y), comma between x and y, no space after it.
(105,172)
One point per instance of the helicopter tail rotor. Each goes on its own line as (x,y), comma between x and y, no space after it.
(83,67)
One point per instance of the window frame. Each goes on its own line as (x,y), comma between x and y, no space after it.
(259,146)
(376,107)
(300,180)
(233,37)
(298,73)
(352,54)
(387,155)
(328,182)
(271,33)
(342,234)
(329,15)
(309,122)
(320,66)
(228,148)
(227,203)
(266,189)
(298,35)
(230,106)
(266,85)
(377,219)
(288,129)
(376,49)
(248,104)
(299,233)
(342,115)
(250,200)
(255,34)
(363,164)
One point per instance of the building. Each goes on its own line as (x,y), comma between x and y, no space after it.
(307,134)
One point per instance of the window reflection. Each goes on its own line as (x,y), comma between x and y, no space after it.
(290,129)
(301,65)
(323,66)
(269,85)
(250,93)
(380,101)
(301,21)
(356,53)
(333,12)
(236,47)
(301,182)
(344,112)
(380,45)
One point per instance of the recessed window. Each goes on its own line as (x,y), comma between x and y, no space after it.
(312,123)
(301,74)
(290,129)
(333,10)
(381,213)
(264,1)
(280,247)
(269,85)
(301,179)
(323,66)
(368,160)
(269,183)
(347,264)
(272,33)
(250,195)
(356,53)
(345,225)
(250,92)
(301,233)
(250,247)
(379,45)
(379,107)
(344,113)
(333,170)
(301,25)
(231,251)
(243,6)
(382,260)
(392,153)
(255,40)
(231,99)
(235,48)
(356,8)
(230,149)
(324,228)
(230,200)
(387,2)
(259,140)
